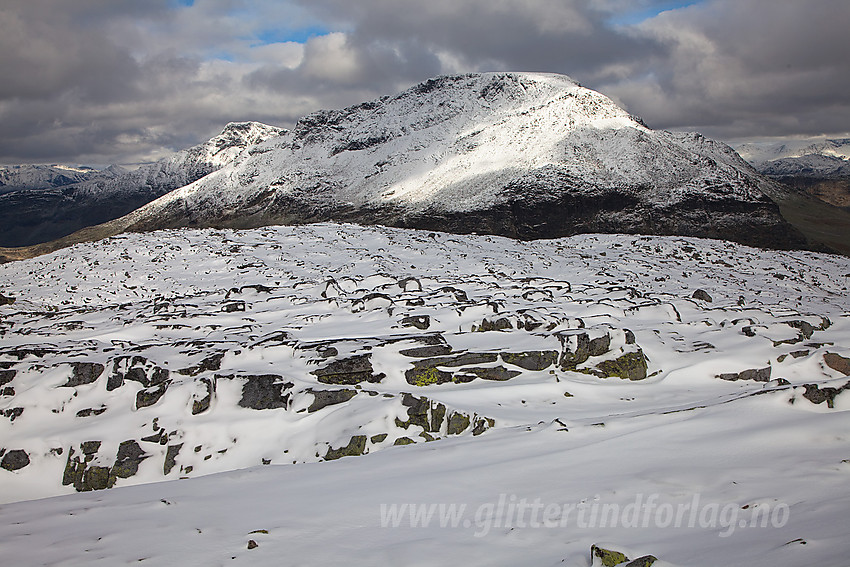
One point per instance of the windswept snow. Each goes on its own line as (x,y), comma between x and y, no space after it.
(177,354)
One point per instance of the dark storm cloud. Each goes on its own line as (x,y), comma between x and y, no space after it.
(531,35)
(96,81)
(745,69)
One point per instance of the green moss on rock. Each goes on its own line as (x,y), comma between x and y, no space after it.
(606,557)
(356,446)
(458,423)
(629,366)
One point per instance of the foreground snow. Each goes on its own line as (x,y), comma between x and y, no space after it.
(716,470)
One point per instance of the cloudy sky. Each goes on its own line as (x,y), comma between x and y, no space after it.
(122,81)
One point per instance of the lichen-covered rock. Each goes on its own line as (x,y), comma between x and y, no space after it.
(818,395)
(6,300)
(501,324)
(628,366)
(599,345)
(356,446)
(149,396)
(600,556)
(575,349)
(482,424)
(130,455)
(417,411)
(14,460)
(135,369)
(701,295)
(645,561)
(349,371)
(171,458)
(426,372)
(755,374)
(457,423)
(404,441)
(89,412)
(438,414)
(496,373)
(425,375)
(531,360)
(267,391)
(84,373)
(202,402)
(211,362)
(325,398)
(82,474)
(419,321)
(427,351)
(89,448)
(95,478)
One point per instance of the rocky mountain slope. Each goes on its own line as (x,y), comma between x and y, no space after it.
(45,203)
(457,369)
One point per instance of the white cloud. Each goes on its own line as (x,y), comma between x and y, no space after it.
(122,80)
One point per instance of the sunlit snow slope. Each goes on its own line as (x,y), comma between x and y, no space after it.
(370,366)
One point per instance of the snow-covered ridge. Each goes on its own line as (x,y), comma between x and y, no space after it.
(190,164)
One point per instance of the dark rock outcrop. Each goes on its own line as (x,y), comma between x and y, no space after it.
(267,391)
(15,459)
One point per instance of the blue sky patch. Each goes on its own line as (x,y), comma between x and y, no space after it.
(281,35)
(631,17)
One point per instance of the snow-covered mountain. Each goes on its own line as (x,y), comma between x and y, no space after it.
(820,168)
(18,177)
(516,154)
(824,159)
(762,153)
(810,165)
(673,377)
(47,204)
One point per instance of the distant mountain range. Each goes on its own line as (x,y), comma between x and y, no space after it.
(24,177)
(39,203)
(514,154)
(767,155)
(820,168)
